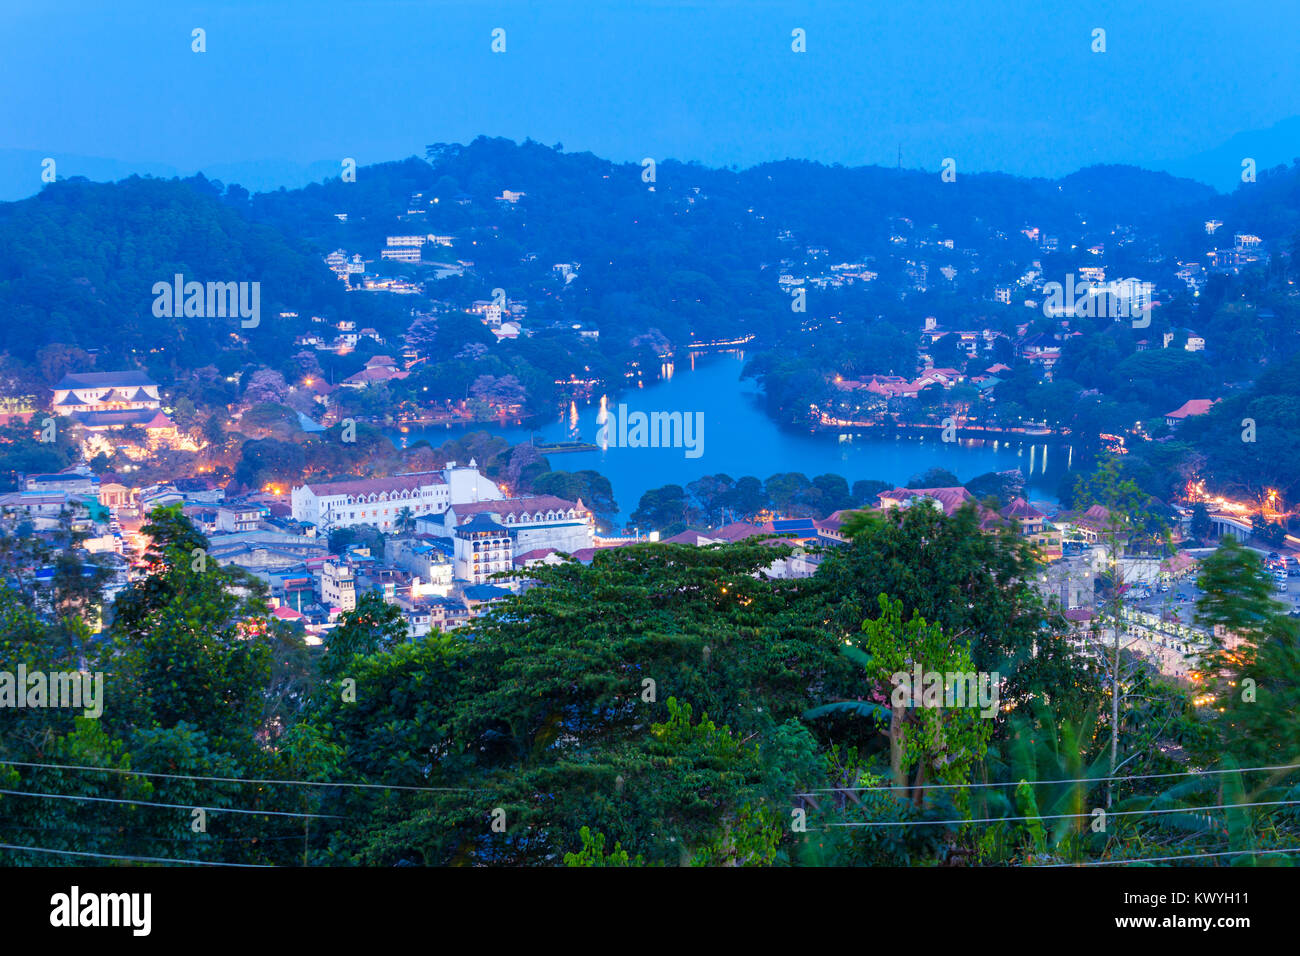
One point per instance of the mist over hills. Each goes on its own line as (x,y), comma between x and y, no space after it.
(1221,166)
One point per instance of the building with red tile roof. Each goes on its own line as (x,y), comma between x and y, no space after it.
(1189,408)
(946,500)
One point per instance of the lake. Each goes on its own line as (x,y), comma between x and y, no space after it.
(740,439)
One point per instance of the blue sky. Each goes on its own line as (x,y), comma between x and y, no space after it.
(1010,85)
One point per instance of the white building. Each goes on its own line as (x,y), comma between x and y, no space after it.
(234,519)
(105,391)
(483,548)
(338,586)
(384,502)
(537,523)
(430,569)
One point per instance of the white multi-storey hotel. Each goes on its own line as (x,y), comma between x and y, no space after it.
(382,501)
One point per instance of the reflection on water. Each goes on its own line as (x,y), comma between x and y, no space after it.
(740,439)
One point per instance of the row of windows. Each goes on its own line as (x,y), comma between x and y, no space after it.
(375,513)
(386,496)
(549,516)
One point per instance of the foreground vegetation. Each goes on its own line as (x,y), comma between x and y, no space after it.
(665,705)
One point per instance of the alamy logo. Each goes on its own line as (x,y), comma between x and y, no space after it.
(73,909)
(212,300)
(946,689)
(1119,299)
(624,429)
(64,689)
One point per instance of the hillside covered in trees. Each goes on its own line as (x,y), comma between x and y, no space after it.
(665,705)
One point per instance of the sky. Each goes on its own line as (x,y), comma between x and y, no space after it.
(1007,85)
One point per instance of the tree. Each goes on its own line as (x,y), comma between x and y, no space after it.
(372,626)
(926,735)
(660,507)
(968,582)
(1005,486)
(1130,525)
(1200,523)
(188,642)
(566,689)
(865,491)
(784,488)
(592,487)
(748,497)
(711,493)
(593,852)
(405,520)
(1271,533)
(934,478)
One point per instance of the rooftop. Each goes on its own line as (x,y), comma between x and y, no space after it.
(366,486)
(105,380)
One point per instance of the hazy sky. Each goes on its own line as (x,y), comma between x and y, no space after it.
(1002,84)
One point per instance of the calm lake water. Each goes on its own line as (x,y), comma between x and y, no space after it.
(740,439)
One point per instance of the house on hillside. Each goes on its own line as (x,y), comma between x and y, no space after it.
(1189,408)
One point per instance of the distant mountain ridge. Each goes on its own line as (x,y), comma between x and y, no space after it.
(20,169)
(1278,145)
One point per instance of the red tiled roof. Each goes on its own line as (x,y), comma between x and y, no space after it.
(949,498)
(690,536)
(1021,509)
(365,486)
(1193,406)
(517,506)
(380,374)
(159,421)
(736,531)
(1178,562)
(835,520)
(536,554)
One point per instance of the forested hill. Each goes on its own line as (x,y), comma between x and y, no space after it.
(79,261)
(689,253)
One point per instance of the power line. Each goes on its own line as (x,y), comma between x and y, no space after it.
(172,806)
(1157,859)
(137,835)
(1061,816)
(182,776)
(1036,783)
(136,859)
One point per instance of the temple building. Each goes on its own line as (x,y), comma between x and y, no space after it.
(102,400)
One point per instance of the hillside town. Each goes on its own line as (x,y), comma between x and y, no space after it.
(446,545)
